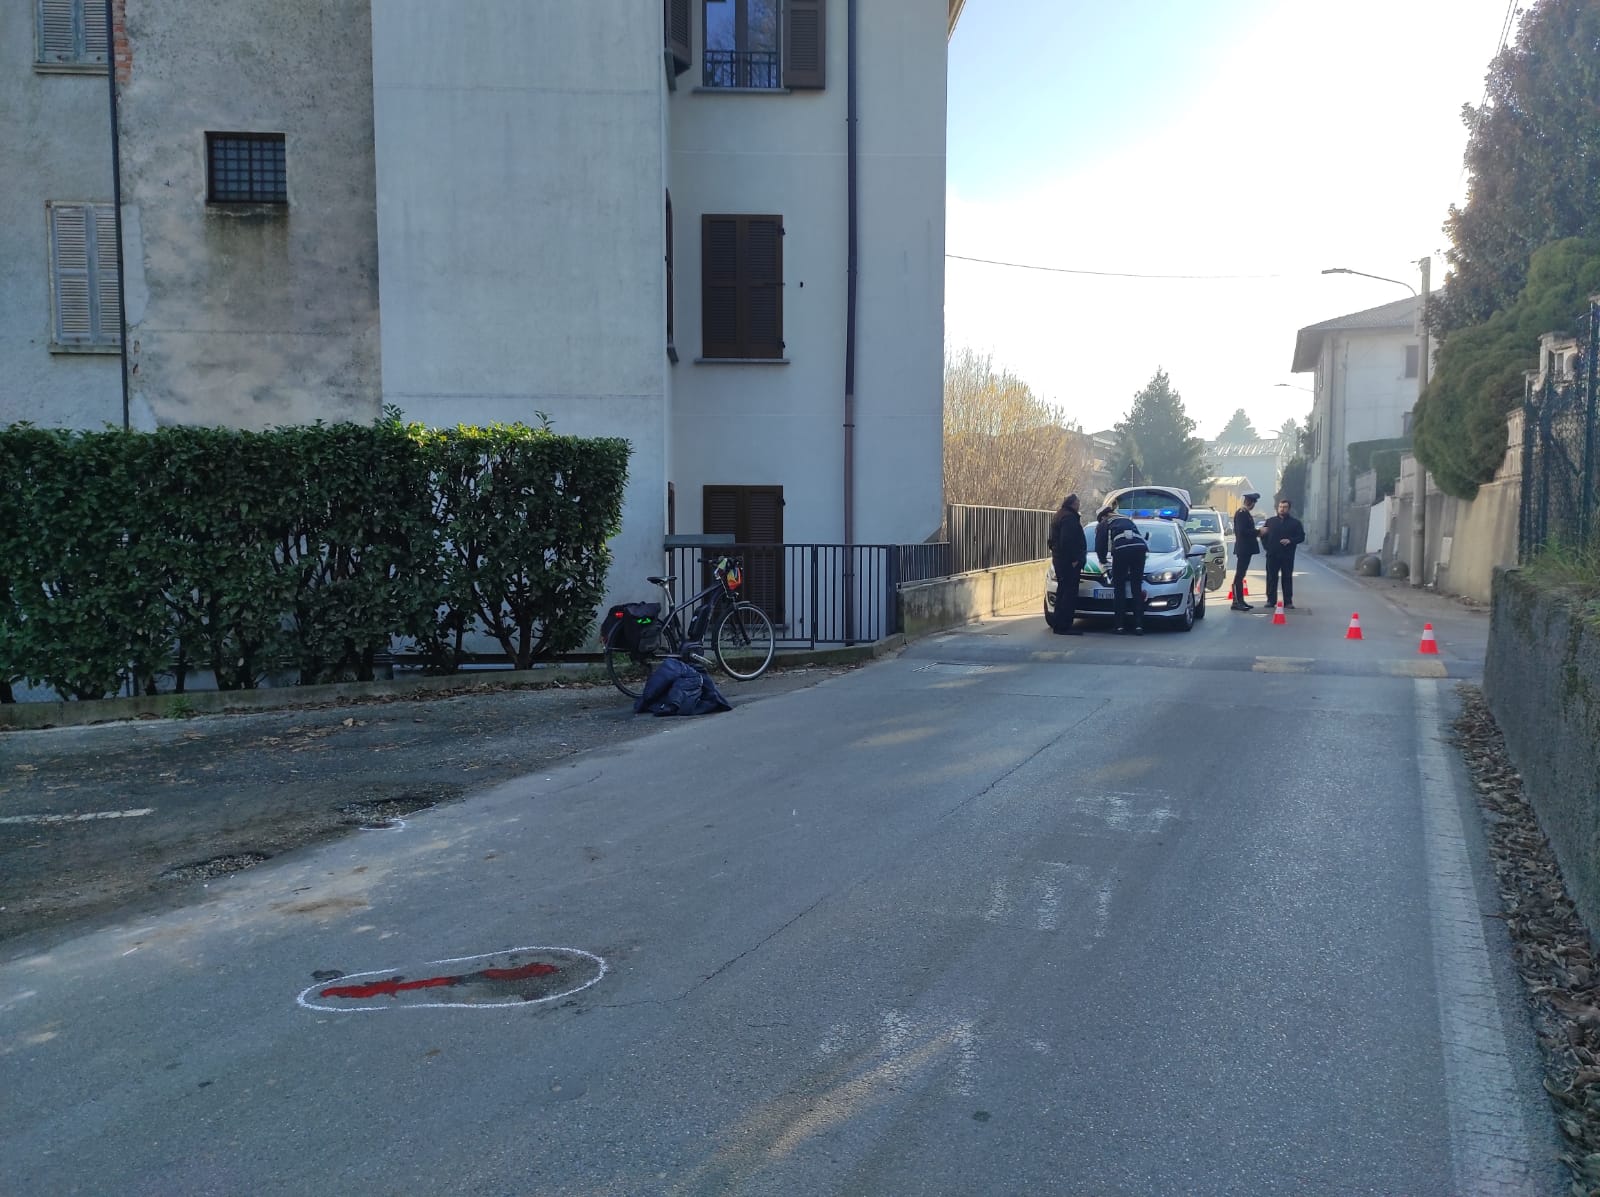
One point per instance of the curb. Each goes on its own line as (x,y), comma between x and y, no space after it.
(36,716)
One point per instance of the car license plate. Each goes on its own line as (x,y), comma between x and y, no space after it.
(1103,592)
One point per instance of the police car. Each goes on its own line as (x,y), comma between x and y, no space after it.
(1174,569)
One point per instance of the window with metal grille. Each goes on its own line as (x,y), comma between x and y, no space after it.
(246,168)
(763,45)
(71,33)
(741,286)
(86,313)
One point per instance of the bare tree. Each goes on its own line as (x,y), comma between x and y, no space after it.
(1003,445)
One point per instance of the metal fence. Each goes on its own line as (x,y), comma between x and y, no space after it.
(848,594)
(1560,473)
(814,593)
(989,537)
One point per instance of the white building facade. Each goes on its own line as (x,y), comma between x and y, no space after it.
(1367,368)
(636,220)
(60,329)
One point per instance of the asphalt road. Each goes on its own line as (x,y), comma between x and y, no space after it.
(1011,913)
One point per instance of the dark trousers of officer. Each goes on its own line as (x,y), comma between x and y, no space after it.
(1066,597)
(1238,575)
(1127,581)
(1280,565)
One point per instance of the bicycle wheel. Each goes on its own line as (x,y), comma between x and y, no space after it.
(628,668)
(744,642)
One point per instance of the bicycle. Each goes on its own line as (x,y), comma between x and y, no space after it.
(743,642)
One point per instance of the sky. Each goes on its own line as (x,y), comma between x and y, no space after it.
(1262,138)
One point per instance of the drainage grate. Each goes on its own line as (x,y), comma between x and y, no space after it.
(956,667)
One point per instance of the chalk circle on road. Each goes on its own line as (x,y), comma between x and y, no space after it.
(490,981)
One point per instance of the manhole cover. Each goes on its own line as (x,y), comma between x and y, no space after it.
(516,977)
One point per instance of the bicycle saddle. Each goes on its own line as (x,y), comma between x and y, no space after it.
(662,581)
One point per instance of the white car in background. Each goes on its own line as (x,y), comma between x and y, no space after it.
(1209,528)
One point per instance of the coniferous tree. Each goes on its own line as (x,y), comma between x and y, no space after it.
(1534,161)
(1162,433)
(1238,430)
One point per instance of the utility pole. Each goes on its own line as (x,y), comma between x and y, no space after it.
(1419,521)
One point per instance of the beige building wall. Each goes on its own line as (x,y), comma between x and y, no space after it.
(250,315)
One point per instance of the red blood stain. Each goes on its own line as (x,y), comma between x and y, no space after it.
(379,988)
(518,974)
(396,985)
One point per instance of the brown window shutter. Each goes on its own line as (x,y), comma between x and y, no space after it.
(721,515)
(804,45)
(675,15)
(764,515)
(719,286)
(763,286)
(752,515)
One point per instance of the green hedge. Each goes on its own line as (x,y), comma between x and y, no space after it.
(301,550)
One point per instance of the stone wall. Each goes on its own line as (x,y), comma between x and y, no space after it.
(1542,681)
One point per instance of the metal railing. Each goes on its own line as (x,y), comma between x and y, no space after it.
(989,537)
(741,68)
(1560,470)
(923,562)
(814,593)
(848,594)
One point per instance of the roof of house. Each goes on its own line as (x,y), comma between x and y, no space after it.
(1399,316)
(1272,448)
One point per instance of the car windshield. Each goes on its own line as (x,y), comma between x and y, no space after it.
(1162,535)
(1203,521)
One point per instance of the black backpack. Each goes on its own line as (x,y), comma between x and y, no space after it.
(641,627)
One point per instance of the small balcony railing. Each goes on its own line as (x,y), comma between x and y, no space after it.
(742,68)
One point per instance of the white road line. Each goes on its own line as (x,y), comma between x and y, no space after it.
(99,814)
(1049,903)
(1102,909)
(999,903)
(1490,1149)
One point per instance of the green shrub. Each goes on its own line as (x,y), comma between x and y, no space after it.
(129,555)
(526,515)
(1460,420)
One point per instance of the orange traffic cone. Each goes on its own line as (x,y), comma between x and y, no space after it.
(1230,594)
(1355,628)
(1429,644)
(1278,615)
(1246,588)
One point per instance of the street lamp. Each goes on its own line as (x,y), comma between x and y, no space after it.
(1364,274)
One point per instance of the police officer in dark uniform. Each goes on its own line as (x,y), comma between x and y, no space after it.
(1119,538)
(1069,549)
(1246,544)
(1279,535)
